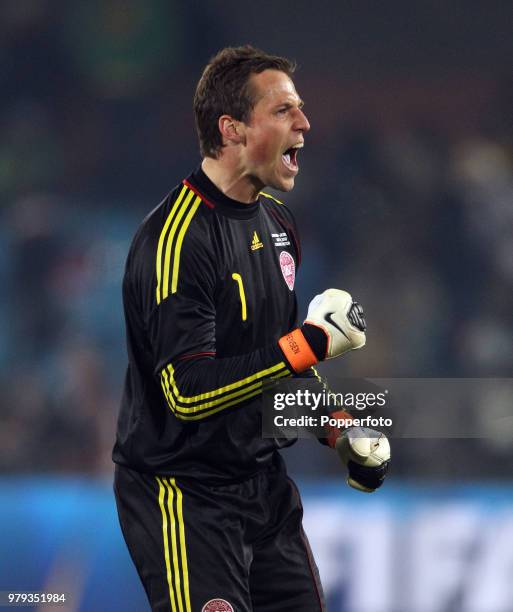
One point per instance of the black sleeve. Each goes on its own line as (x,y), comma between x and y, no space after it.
(321,386)
(181,329)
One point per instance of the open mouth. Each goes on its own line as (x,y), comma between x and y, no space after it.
(289,158)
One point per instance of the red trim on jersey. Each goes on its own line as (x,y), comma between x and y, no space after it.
(192,355)
(204,199)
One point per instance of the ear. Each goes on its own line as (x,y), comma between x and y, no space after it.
(232,131)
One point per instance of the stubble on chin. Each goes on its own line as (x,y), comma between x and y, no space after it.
(285,184)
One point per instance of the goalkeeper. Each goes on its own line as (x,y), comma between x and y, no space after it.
(209,516)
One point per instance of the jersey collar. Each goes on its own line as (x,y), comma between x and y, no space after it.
(206,189)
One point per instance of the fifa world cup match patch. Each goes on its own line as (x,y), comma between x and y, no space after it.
(217,605)
(280,240)
(288,268)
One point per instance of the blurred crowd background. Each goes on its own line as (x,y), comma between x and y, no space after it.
(404,197)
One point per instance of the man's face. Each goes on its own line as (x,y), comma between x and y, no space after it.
(274,132)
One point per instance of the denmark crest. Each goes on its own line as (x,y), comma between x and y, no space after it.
(217,605)
(288,268)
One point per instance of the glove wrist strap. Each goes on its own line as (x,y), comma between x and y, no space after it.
(297,351)
(333,433)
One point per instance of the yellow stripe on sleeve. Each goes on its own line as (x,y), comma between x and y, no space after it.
(178,248)
(223,397)
(222,400)
(201,411)
(194,399)
(197,417)
(162,238)
(197,408)
(169,244)
(167,391)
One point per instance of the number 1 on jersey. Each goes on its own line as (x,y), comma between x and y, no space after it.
(238,279)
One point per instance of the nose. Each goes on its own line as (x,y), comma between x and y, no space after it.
(302,123)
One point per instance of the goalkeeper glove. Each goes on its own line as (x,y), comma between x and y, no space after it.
(366,453)
(334,325)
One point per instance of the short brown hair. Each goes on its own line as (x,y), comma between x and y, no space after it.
(224,89)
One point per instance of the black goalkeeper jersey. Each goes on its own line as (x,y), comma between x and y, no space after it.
(208,291)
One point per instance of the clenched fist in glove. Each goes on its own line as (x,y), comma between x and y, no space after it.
(334,325)
(366,453)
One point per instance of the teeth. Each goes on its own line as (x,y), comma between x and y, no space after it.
(286,157)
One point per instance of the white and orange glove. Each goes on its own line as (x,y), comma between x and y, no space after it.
(365,452)
(334,325)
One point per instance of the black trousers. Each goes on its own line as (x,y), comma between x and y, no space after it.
(234,548)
